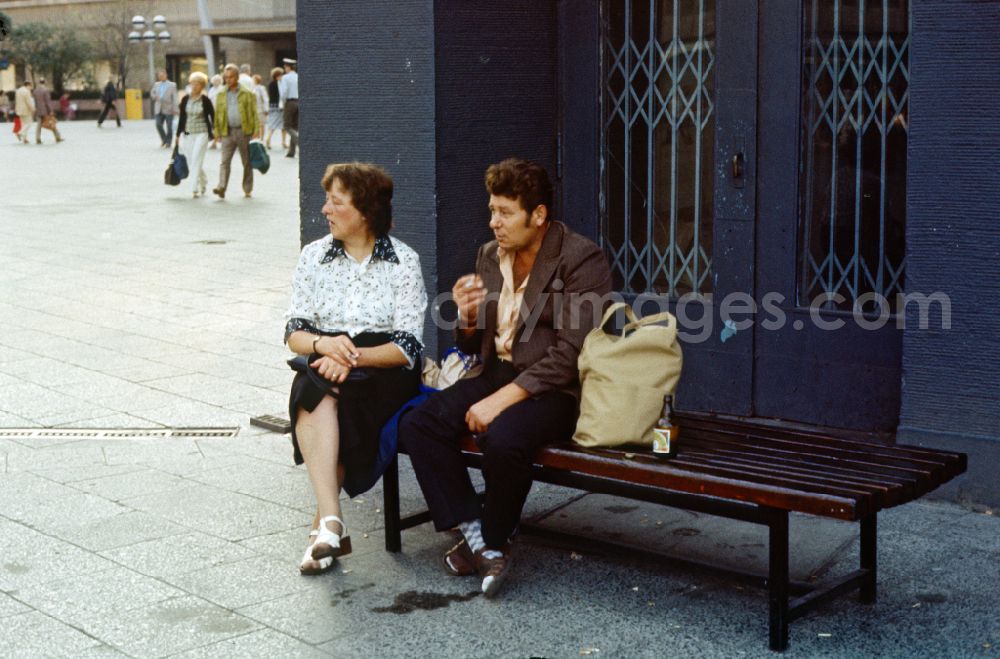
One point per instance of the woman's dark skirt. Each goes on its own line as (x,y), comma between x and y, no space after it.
(363,408)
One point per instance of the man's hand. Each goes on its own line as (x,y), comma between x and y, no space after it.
(468,293)
(481,415)
(331,370)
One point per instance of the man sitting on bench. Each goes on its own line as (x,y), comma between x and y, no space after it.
(538,289)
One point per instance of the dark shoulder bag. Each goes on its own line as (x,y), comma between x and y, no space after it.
(301,364)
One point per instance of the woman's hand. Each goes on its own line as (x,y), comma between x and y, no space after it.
(340,349)
(331,370)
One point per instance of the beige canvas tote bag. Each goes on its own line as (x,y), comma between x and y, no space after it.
(625,377)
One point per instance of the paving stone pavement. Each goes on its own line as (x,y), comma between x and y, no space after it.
(127,304)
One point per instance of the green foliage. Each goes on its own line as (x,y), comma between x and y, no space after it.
(5,26)
(56,50)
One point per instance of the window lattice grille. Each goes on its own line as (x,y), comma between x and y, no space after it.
(853,167)
(656,144)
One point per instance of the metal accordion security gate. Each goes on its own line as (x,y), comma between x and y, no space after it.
(751,149)
(657,136)
(854,132)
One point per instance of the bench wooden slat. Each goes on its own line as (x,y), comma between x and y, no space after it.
(885,493)
(913,479)
(740,473)
(953,463)
(663,474)
(935,470)
(863,472)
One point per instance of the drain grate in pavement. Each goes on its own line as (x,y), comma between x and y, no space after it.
(271,422)
(116,433)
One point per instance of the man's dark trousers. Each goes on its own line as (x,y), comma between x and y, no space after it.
(431,435)
(290,119)
(166,134)
(108,106)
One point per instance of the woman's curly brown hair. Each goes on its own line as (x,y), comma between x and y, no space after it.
(370,189)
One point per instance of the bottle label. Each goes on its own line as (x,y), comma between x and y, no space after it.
(661,440)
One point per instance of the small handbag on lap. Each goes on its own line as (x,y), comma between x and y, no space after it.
(624,378)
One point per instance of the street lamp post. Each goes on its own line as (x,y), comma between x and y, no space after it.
(150,37)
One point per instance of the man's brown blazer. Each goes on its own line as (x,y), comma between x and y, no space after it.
(566,294)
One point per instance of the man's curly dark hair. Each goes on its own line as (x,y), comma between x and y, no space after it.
(523,180)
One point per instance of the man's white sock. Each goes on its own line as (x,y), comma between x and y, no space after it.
(473,534)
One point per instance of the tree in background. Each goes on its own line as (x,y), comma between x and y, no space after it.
(55,50)
(112,38)
(5,27)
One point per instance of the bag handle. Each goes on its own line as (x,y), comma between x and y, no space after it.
(615,308)
(654,319)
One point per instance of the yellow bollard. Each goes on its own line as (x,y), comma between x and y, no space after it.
(133,104)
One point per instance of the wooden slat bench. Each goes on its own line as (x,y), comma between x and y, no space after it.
(751,473)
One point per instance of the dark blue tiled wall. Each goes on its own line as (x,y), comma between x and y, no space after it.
(496,91)
(951,378)
(367,93)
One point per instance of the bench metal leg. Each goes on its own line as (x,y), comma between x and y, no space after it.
(390,507)
(777,580)
(869,558)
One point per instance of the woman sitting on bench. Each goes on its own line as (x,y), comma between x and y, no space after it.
(357,311)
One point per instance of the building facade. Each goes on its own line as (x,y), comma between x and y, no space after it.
(807,184)
(255,32)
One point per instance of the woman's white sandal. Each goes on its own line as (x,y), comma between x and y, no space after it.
(330,544)
(310,565)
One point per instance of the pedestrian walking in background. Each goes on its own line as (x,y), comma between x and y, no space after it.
(216,87)
(4,105)
(274,119)
(196,118)
(246,77)
(213,95)
(289,100)
(164,96)
(236,123)
(45,112)
(24,108)
(65,107)
(260,94)
(109,95)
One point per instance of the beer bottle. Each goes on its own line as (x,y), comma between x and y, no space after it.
(665,432)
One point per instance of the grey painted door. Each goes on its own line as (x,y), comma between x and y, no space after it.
(671,192)
(833,104)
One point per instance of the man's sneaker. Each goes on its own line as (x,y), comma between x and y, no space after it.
(493,571)
(459,561)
